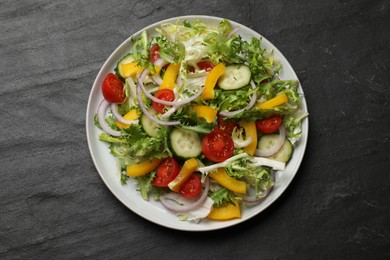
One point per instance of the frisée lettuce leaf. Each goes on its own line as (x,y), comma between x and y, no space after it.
(137,145)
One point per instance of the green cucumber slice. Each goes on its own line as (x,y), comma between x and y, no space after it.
(235,77)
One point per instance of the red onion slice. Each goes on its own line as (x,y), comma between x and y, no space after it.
(231,113)
(254,200)
(237,138)
(249,106)
(262,195)
(164,102)
(185,208)
(157,79)
(118,117)
(146,112)
(102,109)
(179,81)
(279,143)
(230,34)
(160,62)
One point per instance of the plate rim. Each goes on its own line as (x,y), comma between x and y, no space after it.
(195,227)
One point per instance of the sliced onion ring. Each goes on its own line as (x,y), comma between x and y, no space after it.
(157,79)
(279,143)
(146,112)
(262,195)
(160,62)
(230,34)
(258,199)
(102,109)
(118,117)
(231,113)
(164,102)
(249,106)
(177,208)
(179,81)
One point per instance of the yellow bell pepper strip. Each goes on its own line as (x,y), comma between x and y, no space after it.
(273,102)
(221,176)
(131,115)
(131,69)
(211,81)
(142,168)
(157,70)
(188,168)
(250,131)
(227,212)
(206,112)
(170,75)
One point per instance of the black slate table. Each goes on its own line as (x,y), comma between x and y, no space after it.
(53,203)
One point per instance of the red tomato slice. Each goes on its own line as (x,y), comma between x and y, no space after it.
(163,94)
(264,81)
(227,126)
(112,89)
(217,146)
(191,187)
(166,172)
(205,65)
(269,125)
(154,53)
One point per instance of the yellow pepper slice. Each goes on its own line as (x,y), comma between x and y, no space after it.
(230,211)
(131,115)
(170,75)
(221,176)
(142,168)
(273,102)
(211,81)
(250,131)
(188,168)
(157,70)
(206,112)
(130,69)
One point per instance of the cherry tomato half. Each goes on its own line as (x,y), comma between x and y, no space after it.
(154,53)
(227,126)
(112,89)
(191,187)
(163,94)
(269,125)
(205,65)
(166,172)
(217,146)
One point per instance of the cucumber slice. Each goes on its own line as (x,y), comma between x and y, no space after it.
(128,58)
(285,152)
(150,127)
(185,144)
(235,77)
(198,129)
(267,142)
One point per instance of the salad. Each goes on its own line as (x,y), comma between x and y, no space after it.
(199,119)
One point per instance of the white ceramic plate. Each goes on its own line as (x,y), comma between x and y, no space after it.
(152,210)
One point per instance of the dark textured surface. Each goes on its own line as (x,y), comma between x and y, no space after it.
(53,203)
